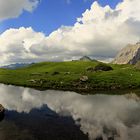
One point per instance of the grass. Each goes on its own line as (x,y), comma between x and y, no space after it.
(66,76)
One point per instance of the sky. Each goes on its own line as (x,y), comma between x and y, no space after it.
(49,15)
(60,30)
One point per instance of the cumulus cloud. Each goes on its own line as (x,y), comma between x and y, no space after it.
(13,8)
(100,33)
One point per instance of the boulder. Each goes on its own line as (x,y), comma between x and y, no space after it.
(102,67)
(84,79)
(2,110)
(32,81)
(67,73)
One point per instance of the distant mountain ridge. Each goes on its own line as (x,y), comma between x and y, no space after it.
(21,65)
(86,58)
(16,65)
(128,55)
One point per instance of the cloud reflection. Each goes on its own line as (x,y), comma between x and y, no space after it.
(99,115)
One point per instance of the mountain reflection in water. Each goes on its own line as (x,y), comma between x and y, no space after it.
(59,115)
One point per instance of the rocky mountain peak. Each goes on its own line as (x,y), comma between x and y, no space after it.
(128,55)
(85,58)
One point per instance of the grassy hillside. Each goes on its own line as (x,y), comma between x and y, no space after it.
(66,76)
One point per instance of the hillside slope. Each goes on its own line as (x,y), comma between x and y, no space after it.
(75,75)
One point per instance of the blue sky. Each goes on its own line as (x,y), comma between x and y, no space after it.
(51,14)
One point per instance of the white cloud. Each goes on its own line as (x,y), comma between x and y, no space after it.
(13,8)
(101,32)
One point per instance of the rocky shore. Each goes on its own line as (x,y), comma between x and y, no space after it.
(2,110)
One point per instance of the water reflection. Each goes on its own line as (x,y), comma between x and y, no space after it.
(39,124)
(100,116)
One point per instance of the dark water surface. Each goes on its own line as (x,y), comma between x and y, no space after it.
(58,115)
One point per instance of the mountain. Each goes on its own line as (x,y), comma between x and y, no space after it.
(128,55)
(16,65)
(86,58)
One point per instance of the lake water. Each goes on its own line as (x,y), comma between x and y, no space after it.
(58,115)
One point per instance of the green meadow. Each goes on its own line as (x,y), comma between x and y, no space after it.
(67,76)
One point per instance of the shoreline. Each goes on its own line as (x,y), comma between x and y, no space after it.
(83,91)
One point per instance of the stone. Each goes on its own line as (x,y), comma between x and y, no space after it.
(67,73)
(128,55)
(32,81)
(102,67)
(2,110)
(84,79)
